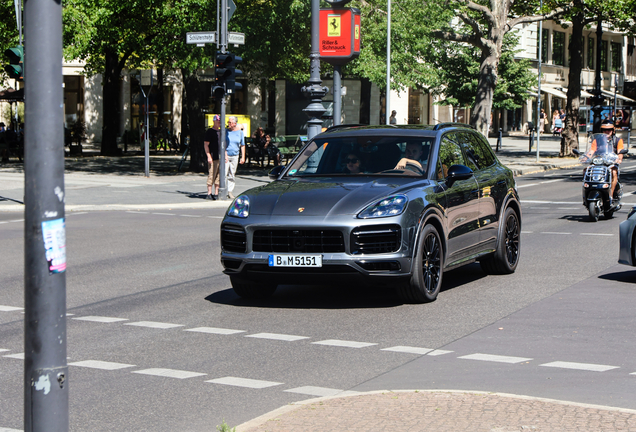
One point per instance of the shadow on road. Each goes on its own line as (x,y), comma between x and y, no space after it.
(624,276)
(340,296)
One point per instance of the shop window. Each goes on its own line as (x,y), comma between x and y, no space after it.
(617,50)
(591,46)
(604,56)
(544,46)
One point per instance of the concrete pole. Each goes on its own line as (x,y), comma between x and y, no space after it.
(46,398)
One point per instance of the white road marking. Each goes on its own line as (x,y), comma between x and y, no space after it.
(131,211)
(567,208)
(555,233)
(4,350)
(274,336)
(216,217)
(164,214)
(320,391)
(526,232)
(244,382)
(104,365)
(495,358)
(551,181)
(17,220)
(343,343)
(408,350)
(100,319)
(527,185)
(597,234)
(10,430)
(73,213)
(10,308)
(19,356)
(214,330)
(580,366)
(153,324)
(438,352)
(549,202)
(194,216)
(169,373)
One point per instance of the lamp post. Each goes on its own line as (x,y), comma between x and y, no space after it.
(314,91)
(539,82)
(387,112)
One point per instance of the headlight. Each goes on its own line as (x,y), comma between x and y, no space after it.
(389,206)
(240,207)
(631,212)
(597,161)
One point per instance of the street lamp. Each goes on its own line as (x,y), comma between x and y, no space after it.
(597,99)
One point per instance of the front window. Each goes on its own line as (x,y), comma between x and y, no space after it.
(617,51)
(558,48)
(352,156)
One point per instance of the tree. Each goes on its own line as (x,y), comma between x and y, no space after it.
(110,36)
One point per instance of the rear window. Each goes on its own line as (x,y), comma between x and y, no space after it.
(363,155)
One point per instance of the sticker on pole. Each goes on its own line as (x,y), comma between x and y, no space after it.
(54,235)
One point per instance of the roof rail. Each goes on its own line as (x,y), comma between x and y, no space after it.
(452,124)
(334,127)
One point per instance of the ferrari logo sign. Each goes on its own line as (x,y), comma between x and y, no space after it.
(301,209)
(333,25)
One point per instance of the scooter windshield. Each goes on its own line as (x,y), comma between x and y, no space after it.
(599,146)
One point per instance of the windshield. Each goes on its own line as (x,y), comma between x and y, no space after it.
(363,155)
(600,149)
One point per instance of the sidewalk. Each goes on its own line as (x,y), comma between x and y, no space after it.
(440,411)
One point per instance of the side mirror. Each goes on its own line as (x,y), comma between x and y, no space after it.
(624,151)
(458,172)
(276,172)
(576,152)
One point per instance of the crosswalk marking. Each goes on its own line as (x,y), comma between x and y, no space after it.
(438,352)
(153,324)
(320,391)
(96,364)
(408,349)
(344,343)
(169,373)
(10,308)
(275,336)
(19,356)
(495,358)
(100,319)
(244,382)
(580,366)
(214,330)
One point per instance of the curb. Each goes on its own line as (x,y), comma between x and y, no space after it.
(272,415)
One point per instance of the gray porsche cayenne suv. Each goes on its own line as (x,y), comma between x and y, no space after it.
(388,205)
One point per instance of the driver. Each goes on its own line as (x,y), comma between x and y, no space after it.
(607,127)
(412,155)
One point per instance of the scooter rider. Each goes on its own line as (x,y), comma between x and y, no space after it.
(607,127)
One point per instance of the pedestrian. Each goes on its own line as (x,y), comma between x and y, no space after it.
(235,151)
(211,144)
(258,145)
(392,119)
(542,121)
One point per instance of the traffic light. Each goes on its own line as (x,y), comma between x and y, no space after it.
(15,68)
(231,83)
(222,73)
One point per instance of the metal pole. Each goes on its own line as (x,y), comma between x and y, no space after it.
(147,140)
(314,91)
(46,398)
(337,96)
(387,101)
(222,145)
(615,90)
(539,83)
(597,100)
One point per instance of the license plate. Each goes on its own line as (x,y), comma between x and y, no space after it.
(295,260)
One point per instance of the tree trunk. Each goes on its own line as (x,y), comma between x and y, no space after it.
(110,129)
(570,135)
(193,102)
(480,115)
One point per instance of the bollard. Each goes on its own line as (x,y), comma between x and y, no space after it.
(499,143)
(531,140)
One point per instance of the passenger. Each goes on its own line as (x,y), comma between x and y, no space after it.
(353,164)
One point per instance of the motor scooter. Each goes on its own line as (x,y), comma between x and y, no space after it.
(597,179)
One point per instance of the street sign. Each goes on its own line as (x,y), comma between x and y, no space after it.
(200,38)
(236,38)
(231,7)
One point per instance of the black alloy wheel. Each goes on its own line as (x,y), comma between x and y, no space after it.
(506,257)
(426,280)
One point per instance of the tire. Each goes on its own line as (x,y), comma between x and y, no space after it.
(250,290)
(594,210)
(608,214)
(426,280)
(506,257)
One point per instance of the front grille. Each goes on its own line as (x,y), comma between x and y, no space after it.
(375,239)
(233,238)
(597,173)
(301,240)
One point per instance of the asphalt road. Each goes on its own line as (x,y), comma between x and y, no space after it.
(158,341)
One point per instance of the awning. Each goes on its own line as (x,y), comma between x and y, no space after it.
(552,91)
(619,96)
(586,94)
(12,95)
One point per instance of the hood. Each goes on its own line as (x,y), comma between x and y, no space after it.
(325,196)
